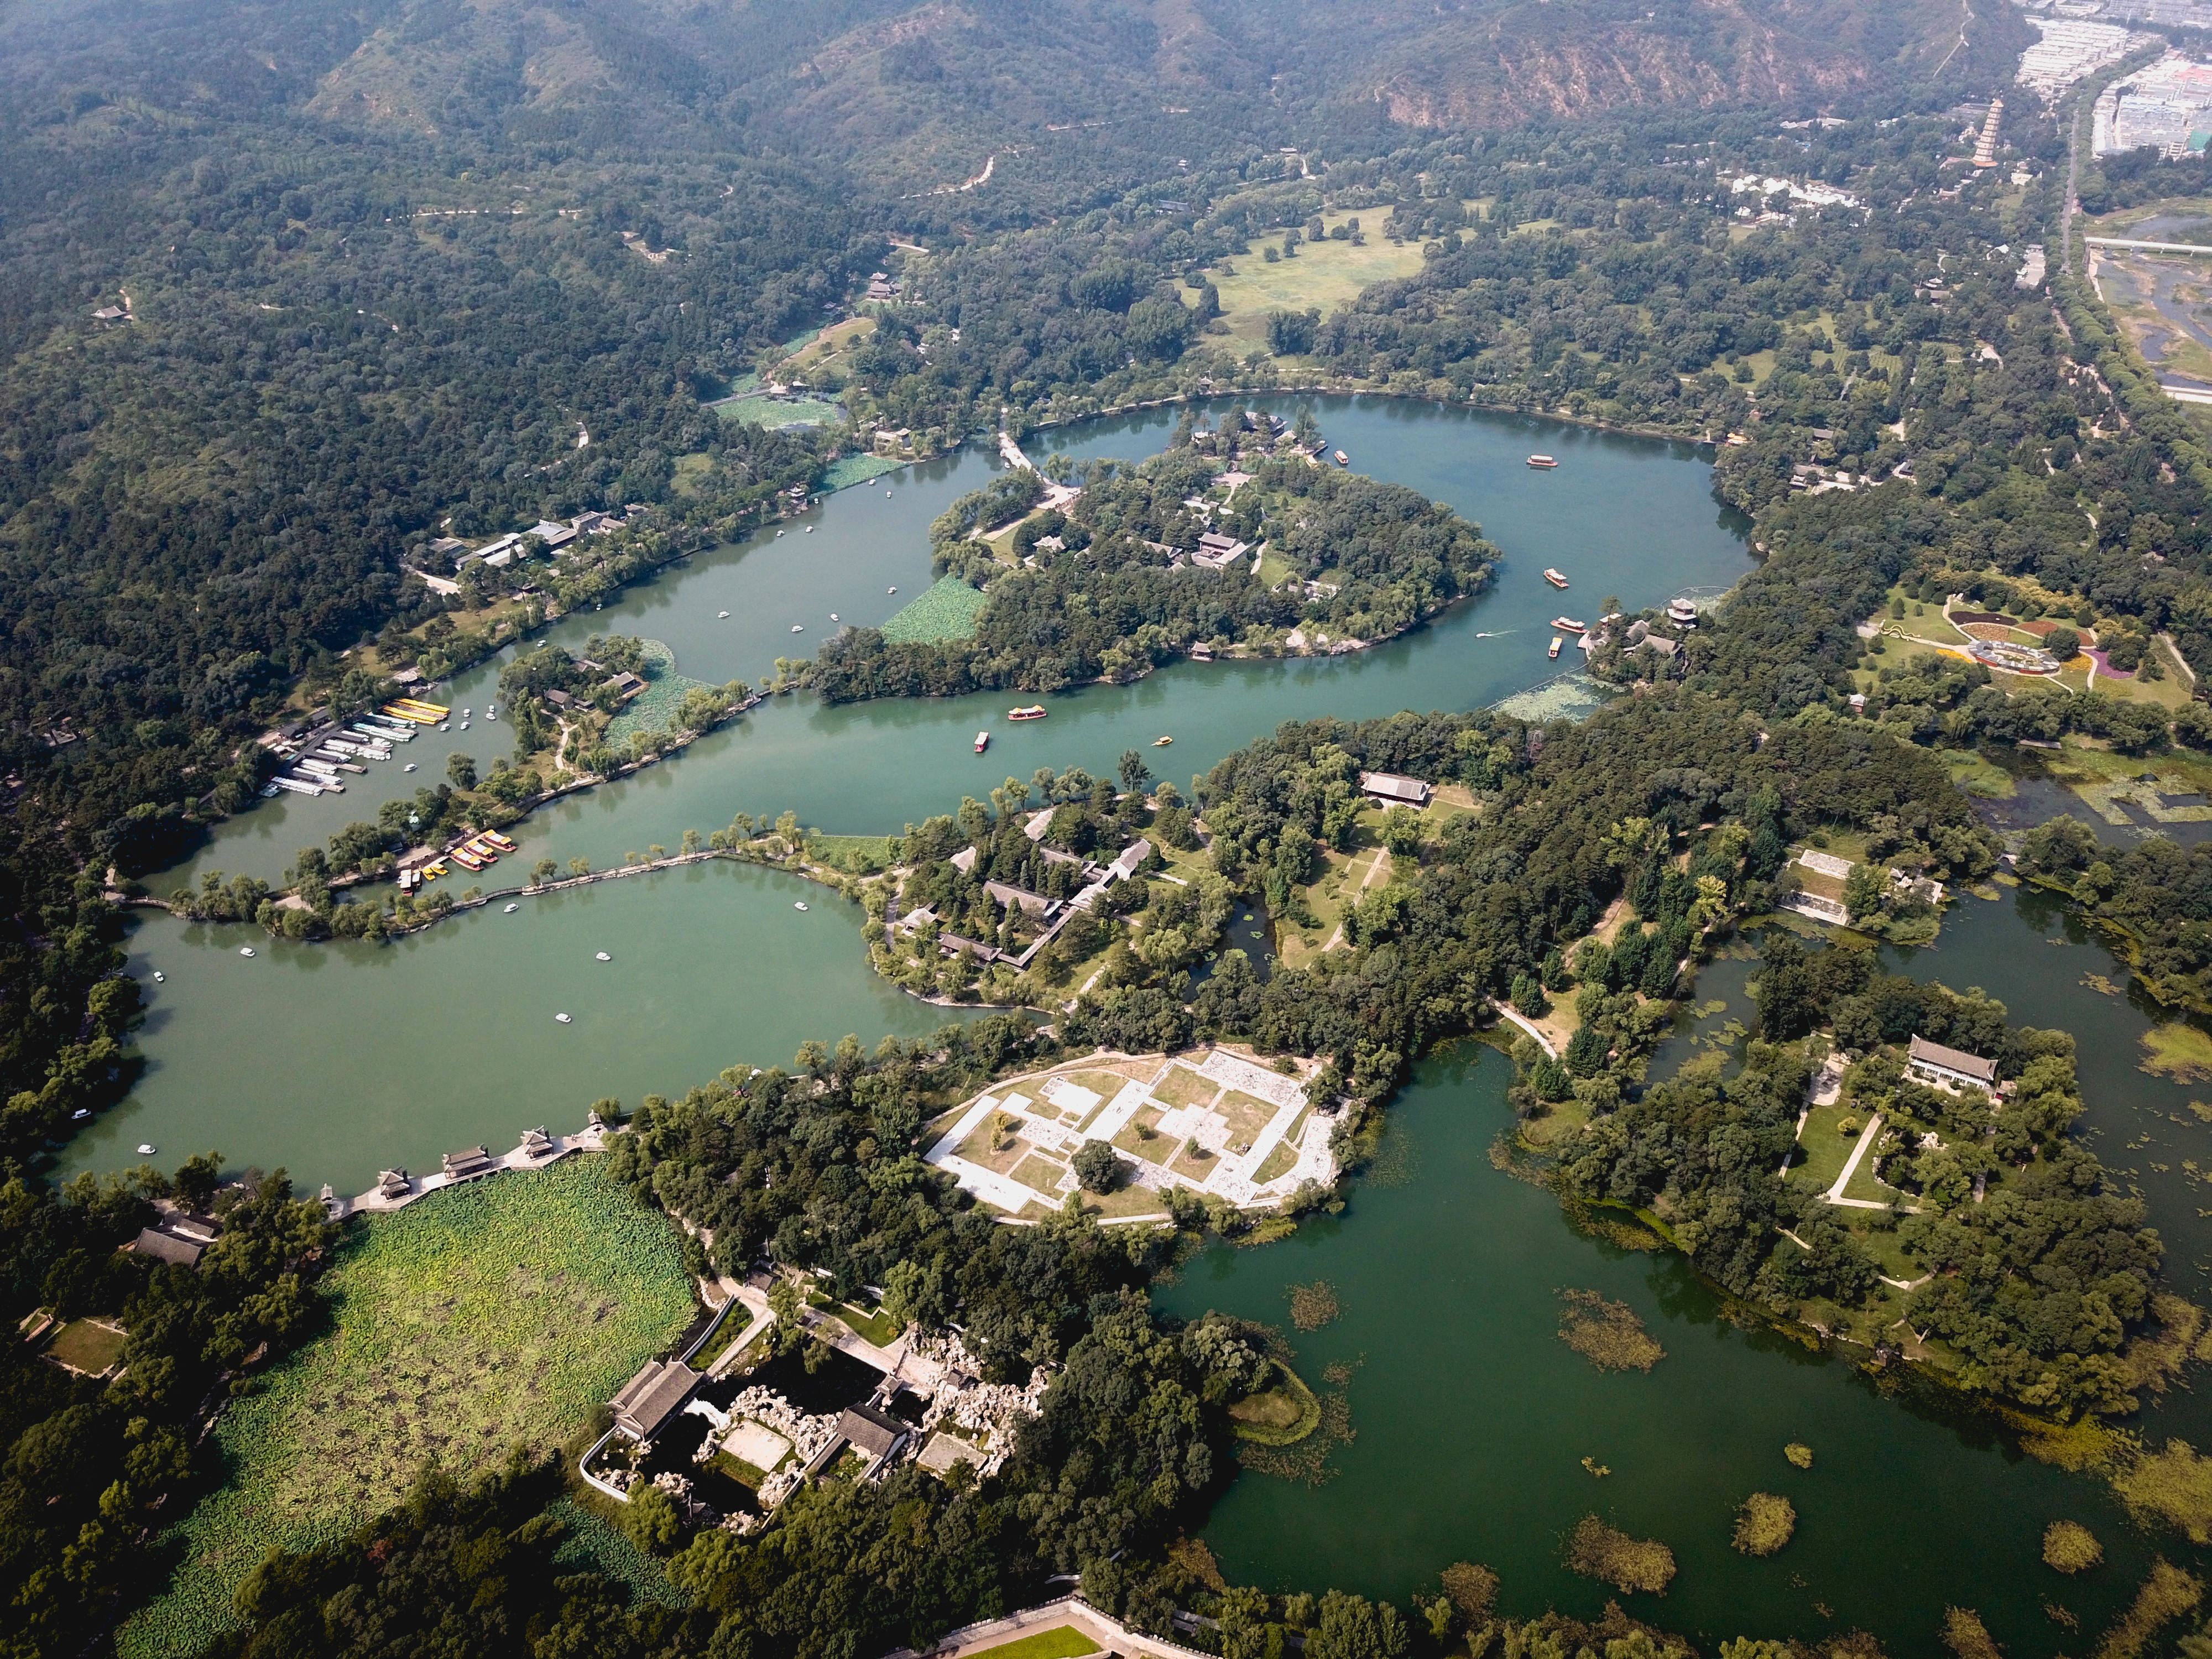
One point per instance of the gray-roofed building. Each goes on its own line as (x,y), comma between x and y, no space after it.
(468,1164)
(1935,1063)
(164,1246)
(393,1184)
(1131,856)
(1039,823)
(653,1396)
(536,1143)
(874,1433)
(1036,903)
(953,943)
(1394,789)
(1216,550)
(964,860)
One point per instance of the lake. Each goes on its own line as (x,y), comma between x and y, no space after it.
(337,1060)
(1623,516)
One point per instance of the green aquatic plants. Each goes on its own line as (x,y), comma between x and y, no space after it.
(1764,1524)
(1313,1305)
(492,1316)
(1610,1556)
(1607,1334)
(2172,1485)
(1799,1454)
(2070,1547)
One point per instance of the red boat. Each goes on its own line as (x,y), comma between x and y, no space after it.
(1569,625)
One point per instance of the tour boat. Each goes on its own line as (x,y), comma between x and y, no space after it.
(512,908)
(1569,625)
(1556,643)
(1343,459)
(1542,461)
(469,860)
(1554,577)
(798,904)
(245,949)
(494,838)
(983,741)
(603,957)
(145,1149)
(1032,712)
(563,1019)
(1162,743)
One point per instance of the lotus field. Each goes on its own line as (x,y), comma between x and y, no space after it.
(493,1317)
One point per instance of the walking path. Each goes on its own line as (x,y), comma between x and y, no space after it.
(1110,1634)
(1375,872)
(1507,1010)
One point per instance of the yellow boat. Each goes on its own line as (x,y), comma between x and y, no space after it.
(437,709)
(413,717)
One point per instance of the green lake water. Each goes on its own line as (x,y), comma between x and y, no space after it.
(1626,516)
(1472,1419)
(337,1060)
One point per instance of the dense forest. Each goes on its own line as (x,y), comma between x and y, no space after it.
(1119,594)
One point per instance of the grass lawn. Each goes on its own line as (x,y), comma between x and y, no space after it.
(1280,1162)
(980,1149)
(1865,1185)
(1195,1164)
(1273,571)
(497,1315)
(1039,1173)
(1060,1642)
(1133,1141)
(1129,1200)
(727,1335)
(945,611)
(1823,1149)
(1321,276)
(1246,1117)
(1184,1087)
(86,1345)
(876,1326)
(863,854)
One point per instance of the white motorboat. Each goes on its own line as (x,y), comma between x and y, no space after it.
(512,908)
(410,767)
(245,949)
(603,957)
(721,616)
(563,1019)
(799,904)
(145,1149)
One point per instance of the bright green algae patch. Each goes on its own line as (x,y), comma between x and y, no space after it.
(947,611)
(654,709)
(850,469)
(478,1320)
